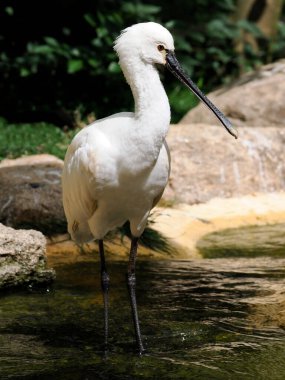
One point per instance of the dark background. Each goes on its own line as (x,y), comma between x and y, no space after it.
(57,63)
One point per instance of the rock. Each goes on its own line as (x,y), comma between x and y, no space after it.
(185,225)
(36,159)
(22,257)
(256,99)
(31,194)
(207,162)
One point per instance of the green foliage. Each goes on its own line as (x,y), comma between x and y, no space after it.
(68,63)
(62,58)
(23,139)
(277,46)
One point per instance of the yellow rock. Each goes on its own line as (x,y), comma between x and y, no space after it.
(184,225)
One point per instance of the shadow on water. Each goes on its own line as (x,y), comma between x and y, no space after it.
(209,319)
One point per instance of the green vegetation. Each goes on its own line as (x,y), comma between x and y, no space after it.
(52,72)
(23,139)
(63,58)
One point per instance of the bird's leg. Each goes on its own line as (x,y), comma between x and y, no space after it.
(131,282)
(105,281)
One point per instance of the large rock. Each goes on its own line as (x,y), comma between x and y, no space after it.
(207,162)
(31,194)
(257,99)
(22,257)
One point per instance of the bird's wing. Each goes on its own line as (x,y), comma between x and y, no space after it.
(90,165)
(79,198)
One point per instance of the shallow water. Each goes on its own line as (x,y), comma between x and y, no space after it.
(207,319)
(253,241)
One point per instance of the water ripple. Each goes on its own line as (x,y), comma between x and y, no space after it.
(213,319)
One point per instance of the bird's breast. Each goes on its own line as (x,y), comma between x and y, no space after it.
(137,178)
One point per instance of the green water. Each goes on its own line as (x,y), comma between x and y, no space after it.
(253,241)
(220,318)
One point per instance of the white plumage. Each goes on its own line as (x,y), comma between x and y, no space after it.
(116,169)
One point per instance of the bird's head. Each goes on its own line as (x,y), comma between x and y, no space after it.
(153,44)
(149,41)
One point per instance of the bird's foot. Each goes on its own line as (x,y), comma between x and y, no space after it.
(142,351)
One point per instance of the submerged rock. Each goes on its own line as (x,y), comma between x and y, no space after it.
(22,257)
(31,194)
(256,99)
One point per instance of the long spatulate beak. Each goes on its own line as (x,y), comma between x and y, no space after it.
(174,66)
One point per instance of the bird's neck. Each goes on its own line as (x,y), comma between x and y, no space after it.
(151,102)
(152,111)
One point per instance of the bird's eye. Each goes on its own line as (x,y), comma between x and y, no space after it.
(160,47)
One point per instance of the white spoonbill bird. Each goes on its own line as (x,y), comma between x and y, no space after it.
(116,169)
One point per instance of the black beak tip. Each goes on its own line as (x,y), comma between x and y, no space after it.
(232,130)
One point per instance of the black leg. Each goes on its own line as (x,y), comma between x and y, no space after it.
(105,281)
(131,281)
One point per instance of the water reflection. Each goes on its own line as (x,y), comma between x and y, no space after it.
(208,319)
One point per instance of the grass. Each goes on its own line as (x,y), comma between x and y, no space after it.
(24,139)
